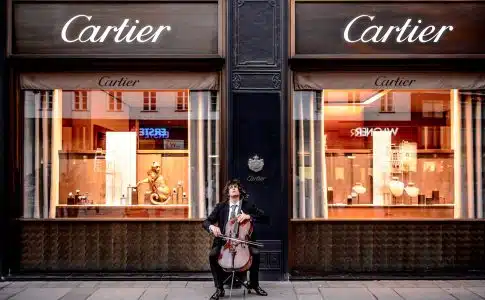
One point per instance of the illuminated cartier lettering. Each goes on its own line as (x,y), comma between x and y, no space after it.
(381,34)
(98,34)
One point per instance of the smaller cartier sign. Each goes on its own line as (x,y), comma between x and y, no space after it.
(407,32)
(384,81)
(107,81)
(128,31)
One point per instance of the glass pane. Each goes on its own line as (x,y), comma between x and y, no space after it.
(127,163)
(387,154)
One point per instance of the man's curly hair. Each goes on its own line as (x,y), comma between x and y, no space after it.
(242,191)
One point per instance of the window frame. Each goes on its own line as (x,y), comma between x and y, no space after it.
(149,103)
(116,99)
(182,101)
(83,96)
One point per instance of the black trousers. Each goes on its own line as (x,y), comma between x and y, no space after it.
(219,275)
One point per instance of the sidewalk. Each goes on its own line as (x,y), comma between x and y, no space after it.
(304,290)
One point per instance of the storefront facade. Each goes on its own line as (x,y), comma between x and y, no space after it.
(387,130)
(363,147)
(108,97)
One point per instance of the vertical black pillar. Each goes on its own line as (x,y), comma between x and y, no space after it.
(4,117)
(258,127)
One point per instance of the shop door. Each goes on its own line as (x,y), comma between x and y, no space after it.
(257,156)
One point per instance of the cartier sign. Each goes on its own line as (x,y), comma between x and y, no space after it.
(127,31)
(401,33)
(142,28)
(389,28)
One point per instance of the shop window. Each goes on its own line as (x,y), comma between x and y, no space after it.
(129,164)
(80,101)
(182,100)
(352,162)
(149,101)
(115,101)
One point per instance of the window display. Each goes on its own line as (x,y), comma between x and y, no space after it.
(120,153)
(387,153)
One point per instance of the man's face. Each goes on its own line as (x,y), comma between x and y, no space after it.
(233,190)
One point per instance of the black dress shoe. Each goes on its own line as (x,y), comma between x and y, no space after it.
(258,290)
(219,293)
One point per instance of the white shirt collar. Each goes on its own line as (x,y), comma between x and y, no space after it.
(237,203)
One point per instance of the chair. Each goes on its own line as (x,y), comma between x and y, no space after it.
(233,279)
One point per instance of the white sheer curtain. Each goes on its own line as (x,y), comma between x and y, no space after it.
(204,152)
(37,153)
(471,135)
(310,171)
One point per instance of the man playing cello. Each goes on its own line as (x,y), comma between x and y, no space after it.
(235,201)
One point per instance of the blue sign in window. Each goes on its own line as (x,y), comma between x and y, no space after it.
(155,133)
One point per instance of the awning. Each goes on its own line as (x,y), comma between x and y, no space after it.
(387,80)
(120,81)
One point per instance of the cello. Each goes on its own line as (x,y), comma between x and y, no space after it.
(235,255)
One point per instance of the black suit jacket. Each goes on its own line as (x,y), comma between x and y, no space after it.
(220,215)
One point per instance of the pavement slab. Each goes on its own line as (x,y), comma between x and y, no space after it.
(303,291)
(155,294)
(8,292)
(346,284)
(178,284)
(448,283)
(463,294)
(198,294)
(61,284)
(477,290)
(381,293)
(343,293)
(18,284)
(87,284)
(424,294)
(117,294)
(41,294)
(79,293)
(113,284)
(310,297)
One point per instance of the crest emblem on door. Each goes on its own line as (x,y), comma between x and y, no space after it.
(255,163)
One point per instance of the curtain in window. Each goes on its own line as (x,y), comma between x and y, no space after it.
(204,154)
(472,192)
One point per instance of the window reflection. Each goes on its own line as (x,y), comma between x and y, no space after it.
(120,153)
(377,154)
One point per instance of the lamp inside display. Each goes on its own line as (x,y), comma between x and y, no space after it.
(412,190)
(396,187)
(359,189)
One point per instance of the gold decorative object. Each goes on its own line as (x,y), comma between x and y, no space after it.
(160,192)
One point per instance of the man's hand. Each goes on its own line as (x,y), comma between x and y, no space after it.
(216,231)
(243,217)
